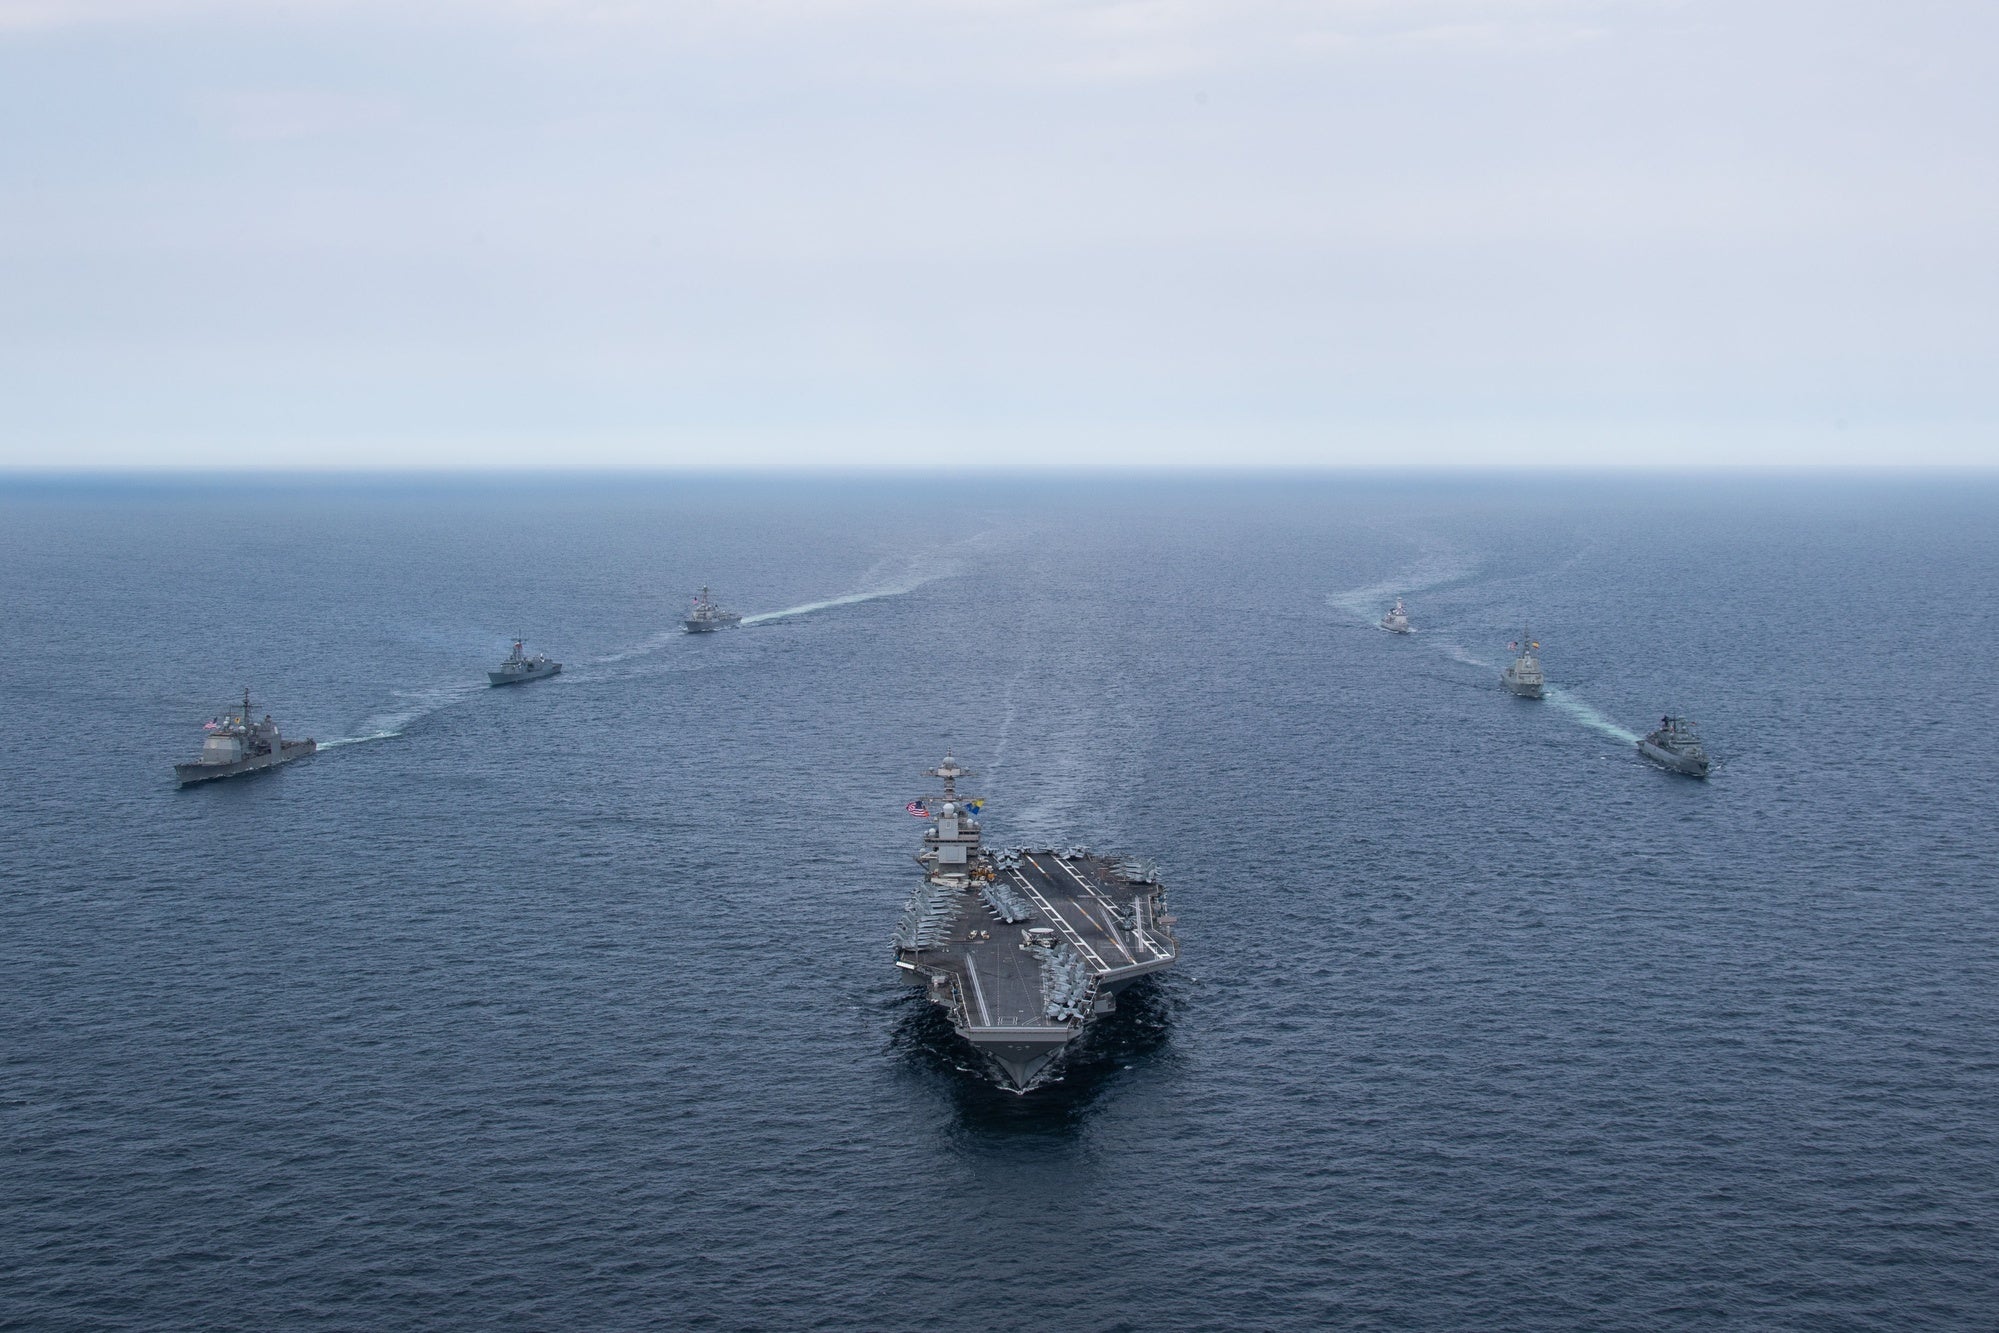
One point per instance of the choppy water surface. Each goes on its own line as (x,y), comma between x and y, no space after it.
(569,1006)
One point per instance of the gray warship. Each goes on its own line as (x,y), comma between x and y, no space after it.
(520,667)
(1675,746)
(706,617)
(1523,675)
(1397,619)
(238,744)
(1024,947)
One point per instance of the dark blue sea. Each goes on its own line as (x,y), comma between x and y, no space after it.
(570,1006)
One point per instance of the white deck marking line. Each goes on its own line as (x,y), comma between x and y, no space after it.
(1061,922)
(1138,925)
(1106,931)
(1091,889)
(978,991)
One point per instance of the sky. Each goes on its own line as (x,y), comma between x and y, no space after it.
(1299,232)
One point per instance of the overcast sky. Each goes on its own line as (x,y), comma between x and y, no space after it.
(1011,231)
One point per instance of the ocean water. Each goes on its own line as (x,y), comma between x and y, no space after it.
(570,1005)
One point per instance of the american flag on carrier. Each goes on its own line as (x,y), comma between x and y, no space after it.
(917,808)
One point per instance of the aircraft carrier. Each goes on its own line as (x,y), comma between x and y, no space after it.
(1024,947)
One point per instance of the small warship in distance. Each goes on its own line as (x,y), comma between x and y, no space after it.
(1674,745)
(1397,620)
(520,667)
(236,744)
(706,617)
(1524,677)
(1024,947)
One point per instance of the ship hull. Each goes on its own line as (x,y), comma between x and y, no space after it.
(1677,763)
(710,626)
(1020,1061)
(522,677)
(187,775)
(1525,689)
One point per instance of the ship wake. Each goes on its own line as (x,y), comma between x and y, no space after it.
(1584,715)
(414,706)
(1433,569)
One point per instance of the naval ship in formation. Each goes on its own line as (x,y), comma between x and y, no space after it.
(706,616)
(520,667)
(236,744)
(1676,746)
(1397,619)
(1024,947)
(1523,674)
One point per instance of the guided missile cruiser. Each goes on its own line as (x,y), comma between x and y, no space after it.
(1024,947)
(237,743)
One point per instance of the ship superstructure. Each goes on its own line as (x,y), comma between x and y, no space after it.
(1523,674)
(705,616)
(520,667)
(237,743)
(1024,947)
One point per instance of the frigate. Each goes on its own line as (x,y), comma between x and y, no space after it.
(520,667)
(237,743)
(1523,675)
(706,617)
(1676,746)
(1397,619)
(1024,947)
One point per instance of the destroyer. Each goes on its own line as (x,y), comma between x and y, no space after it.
(1024,947)
(706,617)
(1523,677)
(1397,620)
(1674,745)
(520,667)
(236,744)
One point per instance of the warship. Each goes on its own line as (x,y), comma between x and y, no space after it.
(1024,947)
(520,667)
(1524,677)
(1397,619)
(1675,746)
(706,617)
(237,744)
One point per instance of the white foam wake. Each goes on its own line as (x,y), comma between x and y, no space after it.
(845,599)
(1457,653)
(1586,715)
(1440,564)
(649,645)
(416,705)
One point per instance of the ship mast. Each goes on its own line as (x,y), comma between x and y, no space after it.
(950,772)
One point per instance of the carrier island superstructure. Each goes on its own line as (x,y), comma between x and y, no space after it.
(1024,947)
